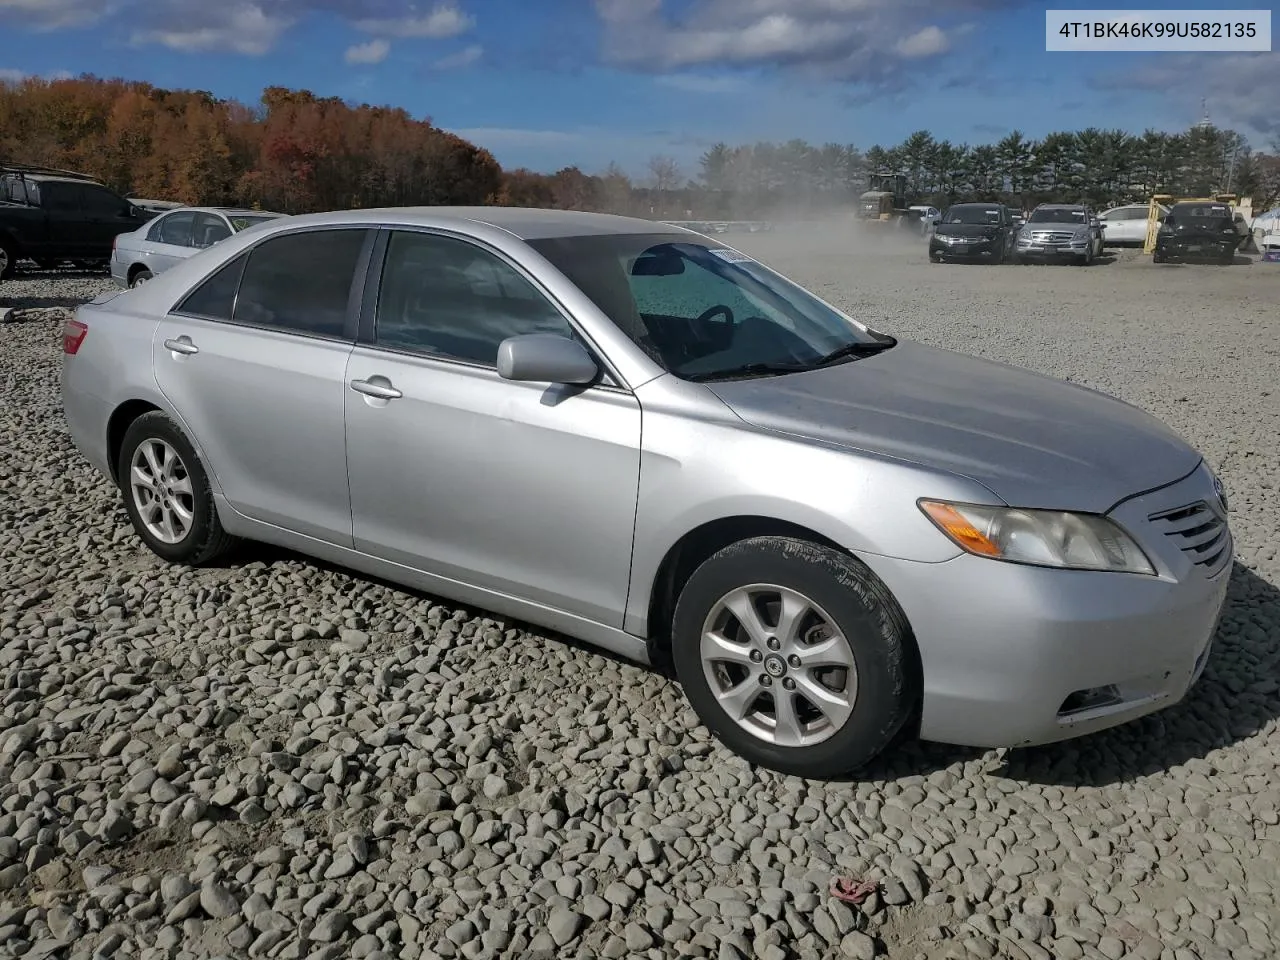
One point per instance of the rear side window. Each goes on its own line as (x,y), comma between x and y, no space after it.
(216,297)
(98,202)
(208,230)
(301,282)
(174,229)
(61,198)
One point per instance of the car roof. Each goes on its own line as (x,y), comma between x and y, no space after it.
(527,223)
(51,178)
(226,211)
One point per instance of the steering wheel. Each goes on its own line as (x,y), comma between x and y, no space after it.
(712,311)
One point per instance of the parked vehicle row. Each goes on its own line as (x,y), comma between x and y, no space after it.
(452,398)
(1056,232)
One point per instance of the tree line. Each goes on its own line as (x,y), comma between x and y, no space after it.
(295,152)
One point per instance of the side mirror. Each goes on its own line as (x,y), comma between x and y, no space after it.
(545,358)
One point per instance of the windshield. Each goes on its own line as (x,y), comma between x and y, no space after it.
(1201,212)
(239,222)
(1059,215)
(701,310)
(972,215)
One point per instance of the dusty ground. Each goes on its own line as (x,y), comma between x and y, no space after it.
(279,759)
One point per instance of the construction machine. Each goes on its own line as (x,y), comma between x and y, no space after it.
(885,200)
(1241,208)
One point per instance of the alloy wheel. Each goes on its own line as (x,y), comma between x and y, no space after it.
(778,665)
(162,491)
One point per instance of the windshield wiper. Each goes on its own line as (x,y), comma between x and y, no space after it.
(747,370)
(858,348)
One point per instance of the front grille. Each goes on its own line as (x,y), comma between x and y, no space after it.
(1200,532)
(1051,236)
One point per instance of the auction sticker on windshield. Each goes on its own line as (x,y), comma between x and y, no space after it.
(730,256)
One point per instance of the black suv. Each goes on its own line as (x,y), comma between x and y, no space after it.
(974,231)
(52,215)
(1198,230)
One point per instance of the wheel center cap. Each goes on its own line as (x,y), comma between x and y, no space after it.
(775,666)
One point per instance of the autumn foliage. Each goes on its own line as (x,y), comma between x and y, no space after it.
(293,152)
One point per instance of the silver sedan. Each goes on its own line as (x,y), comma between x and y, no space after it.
(639,436)
(169,239)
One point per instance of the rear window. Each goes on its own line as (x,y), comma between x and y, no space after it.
(1202,211)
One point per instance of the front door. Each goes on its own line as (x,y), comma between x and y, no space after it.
(253,362)
(527,489)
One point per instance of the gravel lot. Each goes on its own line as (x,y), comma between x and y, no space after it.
(277,759)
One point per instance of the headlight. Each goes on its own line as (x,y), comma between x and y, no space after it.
(1045,538)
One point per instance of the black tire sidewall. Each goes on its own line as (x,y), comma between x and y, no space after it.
(205,527)
(864,611)
(140,275)
(11,265)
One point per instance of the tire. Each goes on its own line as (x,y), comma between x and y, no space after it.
(872,635)
(139,278)
(203,539)
(8,261)
(1157,257)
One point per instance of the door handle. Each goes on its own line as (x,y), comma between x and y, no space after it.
(382,390)
(182,345)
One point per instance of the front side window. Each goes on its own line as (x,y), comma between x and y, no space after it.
(452,299)
(175,229)
(703,311)
(301,282)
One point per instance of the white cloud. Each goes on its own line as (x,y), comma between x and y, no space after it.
(506,137)
(443,21)
(244,27)
(9,75)
(463,58)
(855,40)
(55,14)
(1234,85)
(375,51)
(928,42)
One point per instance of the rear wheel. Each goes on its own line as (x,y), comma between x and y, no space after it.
(794,655)
(167,493)
(139,278)
(8,261)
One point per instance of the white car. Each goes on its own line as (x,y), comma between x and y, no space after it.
(1126,225)
(173,237)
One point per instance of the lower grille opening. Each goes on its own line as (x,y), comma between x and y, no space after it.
(1089,699)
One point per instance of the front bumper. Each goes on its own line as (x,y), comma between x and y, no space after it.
(1013,654)
(1178,247)
(969,248)
(1041,251)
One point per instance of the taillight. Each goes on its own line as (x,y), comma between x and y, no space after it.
(73,334)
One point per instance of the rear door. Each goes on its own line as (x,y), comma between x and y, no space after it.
(253,361)
(169,241)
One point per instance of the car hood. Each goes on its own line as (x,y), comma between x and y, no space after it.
(1032,440)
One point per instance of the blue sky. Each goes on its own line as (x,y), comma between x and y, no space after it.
(550,83)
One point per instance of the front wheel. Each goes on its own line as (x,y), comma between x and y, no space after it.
(795,656)
(8,262)
(167,493)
